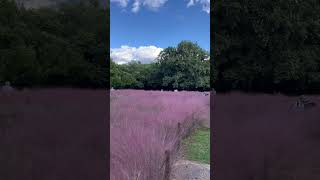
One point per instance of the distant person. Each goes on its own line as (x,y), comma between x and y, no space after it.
(303,102)
(214,91)
(7,87)
(205,94)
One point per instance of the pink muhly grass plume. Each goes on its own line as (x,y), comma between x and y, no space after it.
(144,126)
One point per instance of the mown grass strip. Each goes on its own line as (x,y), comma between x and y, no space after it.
(197,146)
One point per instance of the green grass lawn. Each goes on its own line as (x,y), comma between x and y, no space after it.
(197,146)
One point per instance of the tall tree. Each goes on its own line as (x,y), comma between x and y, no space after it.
(183,67)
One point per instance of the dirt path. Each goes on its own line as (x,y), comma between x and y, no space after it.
(190,170)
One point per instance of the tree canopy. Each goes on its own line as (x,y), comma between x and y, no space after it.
(185,67)
(268,46)
(62,46)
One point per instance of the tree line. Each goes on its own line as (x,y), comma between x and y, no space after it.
(185,67)
(266,46)
(260,46)
(60,46)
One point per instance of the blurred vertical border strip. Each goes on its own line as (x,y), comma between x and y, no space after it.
(212,127)
(107,121)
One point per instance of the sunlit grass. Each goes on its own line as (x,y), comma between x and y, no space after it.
(197,146)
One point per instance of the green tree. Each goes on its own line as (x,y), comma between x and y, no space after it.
(60,46)
(266,45)
(184,67)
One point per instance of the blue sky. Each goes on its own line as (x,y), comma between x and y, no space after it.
(140,29)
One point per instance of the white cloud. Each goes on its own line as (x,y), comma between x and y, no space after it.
(144,54)
(122,3)
(150,4)
(191,3)
(156,4)
(136,4)
(205,4)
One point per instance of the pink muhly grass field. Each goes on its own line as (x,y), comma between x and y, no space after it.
(53,133)
(144,124)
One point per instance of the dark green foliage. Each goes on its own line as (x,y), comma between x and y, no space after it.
(183,68)
(132,75)
(270,45)
(122,76)
(63,46)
